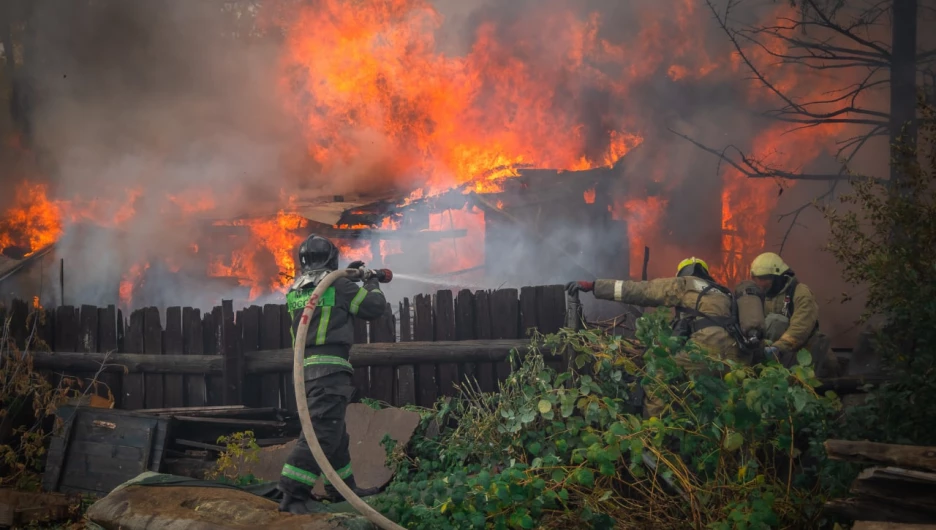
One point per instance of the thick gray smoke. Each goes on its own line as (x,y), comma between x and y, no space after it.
(137,101)
(140,103)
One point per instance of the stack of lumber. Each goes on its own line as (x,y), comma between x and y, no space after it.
(900,488)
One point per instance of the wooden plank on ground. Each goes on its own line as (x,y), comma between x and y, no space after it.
(427,386)
(107,343)
(193,343)
(444,330)
(464,330)
(231,350)
(132,383)
(487,374)
(382,330)
(174,345)
(405,392)
(910,456)
(152,344)
(289,389)
(249,324)
(270,339)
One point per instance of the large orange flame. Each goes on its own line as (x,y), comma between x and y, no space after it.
(32,222)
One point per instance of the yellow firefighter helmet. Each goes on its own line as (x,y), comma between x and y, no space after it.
(691,261)
(768,263)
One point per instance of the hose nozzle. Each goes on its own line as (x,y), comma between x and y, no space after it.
(383,275)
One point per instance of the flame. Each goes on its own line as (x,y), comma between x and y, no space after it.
(747,203)
(277,236)
(36,304)
(32,222)
(589,196)
(643,218)
(446,121)
(130,281)
(457,253)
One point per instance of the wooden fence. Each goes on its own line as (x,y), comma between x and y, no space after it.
(243,338)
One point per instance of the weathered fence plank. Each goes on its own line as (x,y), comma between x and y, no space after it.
(154,395)
(132,383)
(464,330)
(360,379)
(231,350)
(505,322)
(382,330)
(19,314)
(249,324)
(107,343)
(444,330)
(289,390)
(270,340)
(427,389)
(173,345)
(487,375)
(405,374)
(211,329)
(66,328)
(87,342)
(193,343)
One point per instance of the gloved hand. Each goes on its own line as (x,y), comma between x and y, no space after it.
(580,286)
(772,353)
(356,264)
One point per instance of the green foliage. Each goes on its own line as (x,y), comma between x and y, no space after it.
(886,243)
(561,450)
(28,402)
(233,463)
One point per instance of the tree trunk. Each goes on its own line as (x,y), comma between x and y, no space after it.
(903,94)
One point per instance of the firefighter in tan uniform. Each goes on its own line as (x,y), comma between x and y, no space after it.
(792,315)
(703,309)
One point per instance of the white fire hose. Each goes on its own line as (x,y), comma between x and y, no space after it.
(365,509)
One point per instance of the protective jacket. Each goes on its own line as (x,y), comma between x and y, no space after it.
(331,329)
(684,292)
(793,324)
(796,302)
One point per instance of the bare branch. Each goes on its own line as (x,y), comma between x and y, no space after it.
(750,168)
(846,32)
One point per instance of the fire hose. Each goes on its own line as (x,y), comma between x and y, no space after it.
(308,432)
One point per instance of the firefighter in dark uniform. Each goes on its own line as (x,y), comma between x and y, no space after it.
(327,370)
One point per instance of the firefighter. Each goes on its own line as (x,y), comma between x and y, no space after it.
(792,315)
(327,370)
(703,309)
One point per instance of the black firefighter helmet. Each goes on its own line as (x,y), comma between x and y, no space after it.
(317,253)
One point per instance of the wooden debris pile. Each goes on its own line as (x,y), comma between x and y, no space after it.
(899,488)
(99,449)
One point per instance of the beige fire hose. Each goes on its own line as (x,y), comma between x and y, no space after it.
(365,509)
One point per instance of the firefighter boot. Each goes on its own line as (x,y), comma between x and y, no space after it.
(332,495)
(293,505)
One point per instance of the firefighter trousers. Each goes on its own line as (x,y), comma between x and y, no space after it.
(327,398)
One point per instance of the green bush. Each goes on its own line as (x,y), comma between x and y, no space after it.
(564,450)
(887,244)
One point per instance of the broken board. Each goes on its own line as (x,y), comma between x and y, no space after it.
(366,428)
(99,449)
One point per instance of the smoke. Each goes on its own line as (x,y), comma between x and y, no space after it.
(157,117)
(144,112)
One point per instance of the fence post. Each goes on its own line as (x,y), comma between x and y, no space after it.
(406,374)
(444,324)
(232,350)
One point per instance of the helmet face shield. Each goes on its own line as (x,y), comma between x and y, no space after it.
(317,253)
